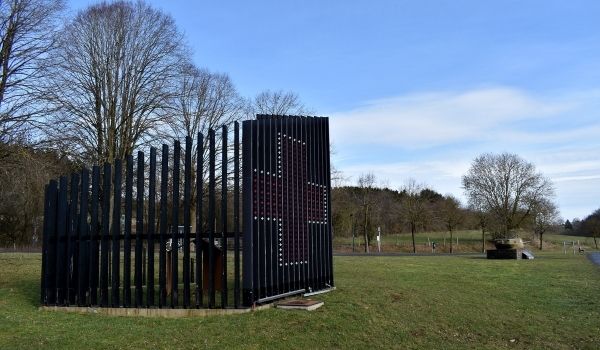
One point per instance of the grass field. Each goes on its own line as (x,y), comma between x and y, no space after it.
(383,302)
(468,241)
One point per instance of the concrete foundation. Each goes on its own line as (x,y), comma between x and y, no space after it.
(143,312)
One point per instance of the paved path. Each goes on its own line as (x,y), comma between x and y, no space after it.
(595,258)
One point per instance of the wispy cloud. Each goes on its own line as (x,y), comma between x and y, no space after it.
(430,119)
(433,137)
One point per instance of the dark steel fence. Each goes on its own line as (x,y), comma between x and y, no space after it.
(89,242)
(95,254)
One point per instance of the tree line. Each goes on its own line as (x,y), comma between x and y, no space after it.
(505,194)
(116,77)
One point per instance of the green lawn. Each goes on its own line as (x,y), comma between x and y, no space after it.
(383,302)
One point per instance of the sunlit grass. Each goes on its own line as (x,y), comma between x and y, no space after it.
(382,302)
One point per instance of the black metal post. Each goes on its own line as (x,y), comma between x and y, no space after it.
(175,226)
(116,227)
(164,227)
(211,219)
(94,235)
(106,183)
(199,199)
(127,228)
(139,231)
(187,189)
(236,213)
(83,258)
(151,228)
(224,217)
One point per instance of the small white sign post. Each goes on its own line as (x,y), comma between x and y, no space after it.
(379,239)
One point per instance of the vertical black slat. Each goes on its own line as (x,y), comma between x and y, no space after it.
(211,218)
(311,202)
(260,237)
(199,196)
(316,196)
(236,214)
(275,138)
(279,198)
(274,207)
(72,246)
(175,226)
(256,212)
(268,206)
(139,230)
(298,204)
(285,203)
(49,244)
(297,201)
(322,182)
(319,230)
(53,244)
(329,236)
(303,202)
(291,203)
(187,191)
(44,245)
(106,182)
(83,258)
(318,205)
(164,227)
(224,218)
(116,233)
(326,226)
(94,235)
(61,242)
(248,197)
(151,228)
(127,241)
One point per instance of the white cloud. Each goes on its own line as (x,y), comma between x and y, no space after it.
(440,133)
(431,119)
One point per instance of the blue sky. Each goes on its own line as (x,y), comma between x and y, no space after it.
(418,89)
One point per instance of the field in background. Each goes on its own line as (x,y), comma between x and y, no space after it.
(469,241)
(380,302)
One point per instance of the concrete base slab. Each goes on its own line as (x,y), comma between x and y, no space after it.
(143,312)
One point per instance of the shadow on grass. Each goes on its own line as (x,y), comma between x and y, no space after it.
(29,290)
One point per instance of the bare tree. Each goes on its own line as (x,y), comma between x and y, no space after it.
(414,210)
(278,103)
(483,219)
(366,184)
(23,174)
(545,216)
(507,187)
(204,101)
(27,29)
(451,215)
(112,79)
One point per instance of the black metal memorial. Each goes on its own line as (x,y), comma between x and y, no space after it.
(110,242)
(287,216)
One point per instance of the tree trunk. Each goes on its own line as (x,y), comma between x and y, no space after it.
(412,231)
(366,233)
(451,245)
(483,240)
(595,242)
(541,234)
